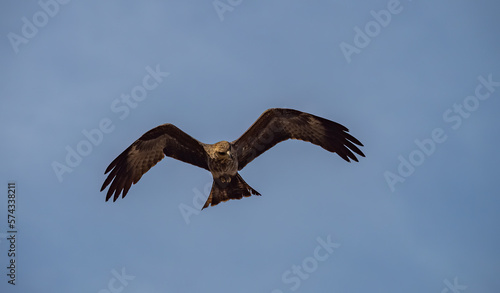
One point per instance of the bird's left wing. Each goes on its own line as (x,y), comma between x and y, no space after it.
(148,150)
(276,125)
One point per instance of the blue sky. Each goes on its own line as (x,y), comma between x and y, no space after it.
(418,86)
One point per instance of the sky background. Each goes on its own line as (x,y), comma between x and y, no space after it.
(438,229)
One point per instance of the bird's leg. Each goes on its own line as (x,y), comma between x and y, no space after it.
(225,179)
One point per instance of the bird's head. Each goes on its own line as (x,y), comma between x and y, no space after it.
(222,149)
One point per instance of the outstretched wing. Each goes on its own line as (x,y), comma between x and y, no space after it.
(148,150)
(276,125)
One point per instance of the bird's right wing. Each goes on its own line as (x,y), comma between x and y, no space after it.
(148,150)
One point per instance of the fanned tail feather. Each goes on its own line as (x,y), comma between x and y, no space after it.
(236,188)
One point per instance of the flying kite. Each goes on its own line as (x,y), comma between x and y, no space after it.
(224,159)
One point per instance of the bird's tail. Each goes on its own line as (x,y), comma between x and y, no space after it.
(233,188)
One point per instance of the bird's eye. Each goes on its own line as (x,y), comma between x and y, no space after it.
(222,153)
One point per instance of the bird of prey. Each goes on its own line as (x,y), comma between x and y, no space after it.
(224,159)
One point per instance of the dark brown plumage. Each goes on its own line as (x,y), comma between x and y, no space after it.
(224,159)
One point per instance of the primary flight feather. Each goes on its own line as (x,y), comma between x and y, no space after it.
(224,159)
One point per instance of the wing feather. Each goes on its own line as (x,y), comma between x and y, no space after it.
(146,152)
(276,125)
